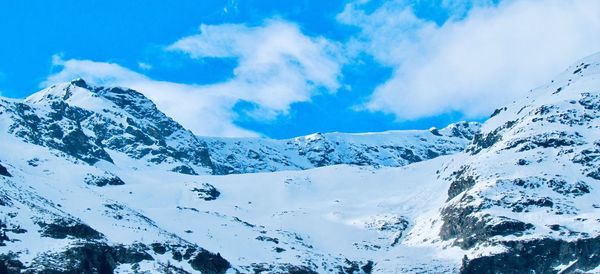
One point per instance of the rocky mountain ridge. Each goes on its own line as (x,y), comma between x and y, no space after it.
(87,122)
(391,149)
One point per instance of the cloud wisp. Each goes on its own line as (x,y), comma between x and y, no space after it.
(277,66)
(472,63)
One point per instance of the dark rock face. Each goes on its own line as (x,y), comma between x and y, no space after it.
(60,129)
(106,179)
(4,172)
(268,239)
(368,267)
(553,139)
(465,130)
(356,267)
(589,159)
(462,180)
(89,257)
(199,259)
(467,230)
(184,170)
(9,264)
(77,144)
(344,267)
(207,192)
(97,257)
(3,237)
(556,184)
(498,111)
(590,101)
(539,256)
(568,188)
(209,263)
(62,229)
(158,248)
(486,140)
(283,268)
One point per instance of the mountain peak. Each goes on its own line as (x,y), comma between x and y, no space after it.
(93,98)
(79,82)
(118,119)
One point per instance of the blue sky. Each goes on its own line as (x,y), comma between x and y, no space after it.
(289,68)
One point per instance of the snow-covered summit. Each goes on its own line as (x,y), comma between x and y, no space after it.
(96,124)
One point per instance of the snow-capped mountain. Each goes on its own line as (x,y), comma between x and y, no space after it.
(98,180)
(527,193)
(87,123)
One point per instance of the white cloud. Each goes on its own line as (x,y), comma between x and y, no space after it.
(278,66)
(472,63)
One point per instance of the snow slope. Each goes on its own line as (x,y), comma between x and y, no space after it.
(323,220)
